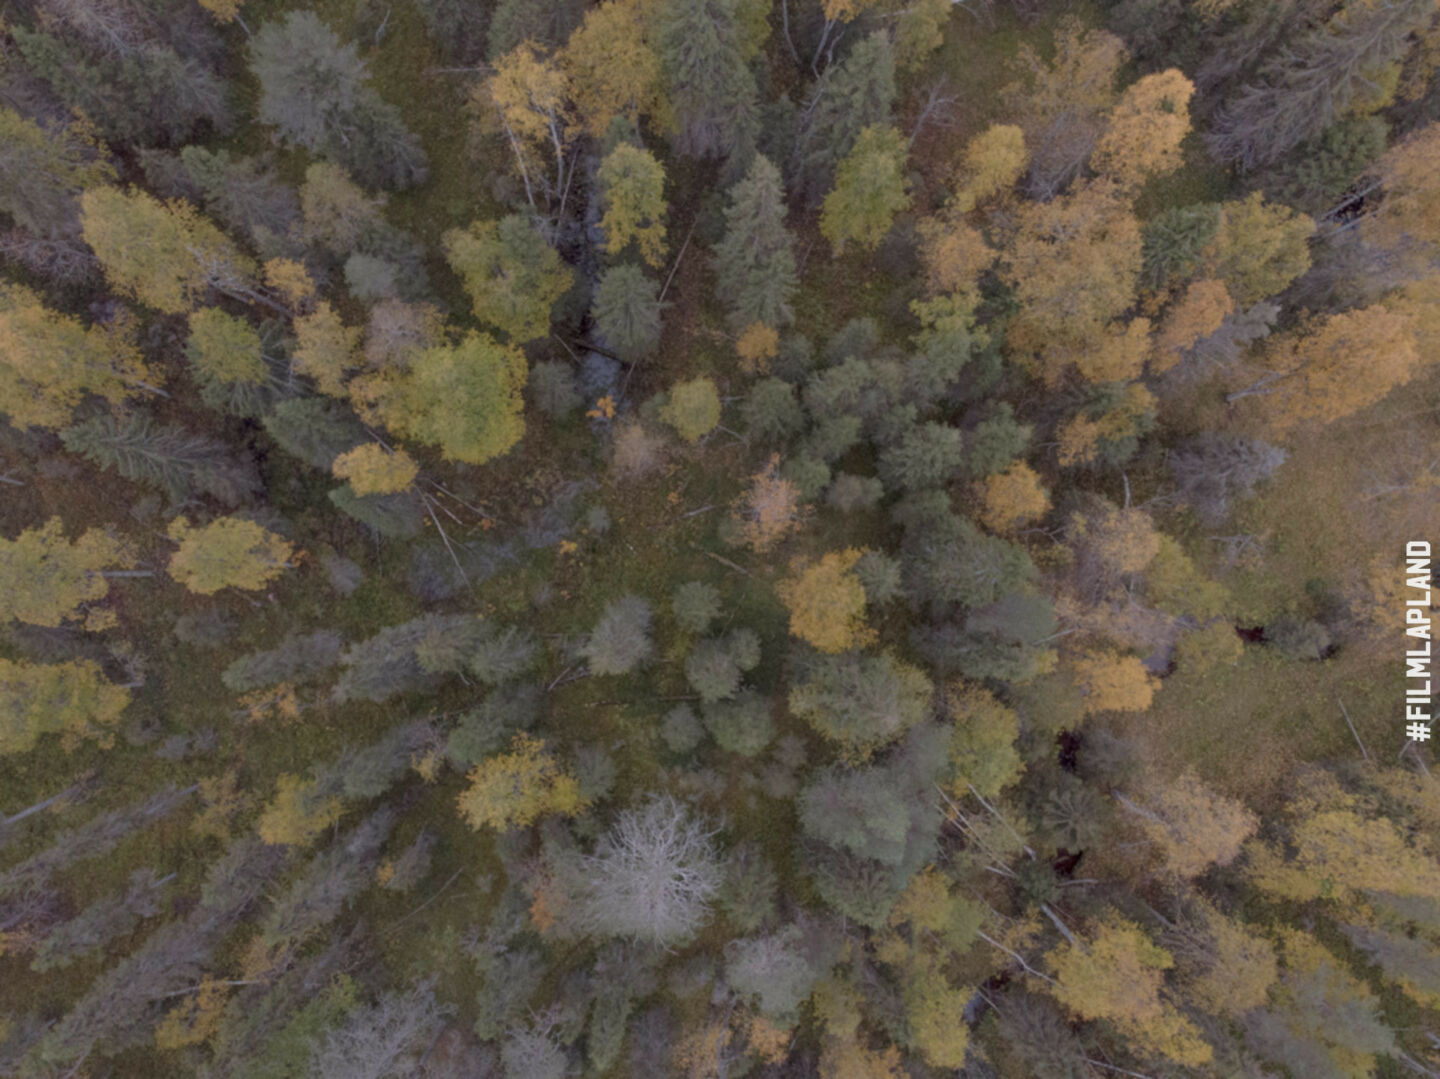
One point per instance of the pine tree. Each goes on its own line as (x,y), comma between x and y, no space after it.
(170,458)
(755,262)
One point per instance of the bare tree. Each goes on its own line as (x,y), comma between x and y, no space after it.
(652,877)
(385,1039)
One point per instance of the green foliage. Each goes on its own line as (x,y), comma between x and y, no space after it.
(1174,241)
(741,724)
(712,88)
(755,261)
(693,408)
(695,605)
(860,702)
(620,641)
(627,311)
(513,276)
(870,189)
(315,429)
(173,459)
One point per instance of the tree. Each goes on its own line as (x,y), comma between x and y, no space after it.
(770,509)
(927,455)
(693,408)
(857,93)
(166,255)
(1145,129)
(528,96)
(695,604)
(305,658)
(1319,77)
(715,666)
(861,702)
(228,360)
(954,256)
(386,1038)
(325,349)
(465,398)
(711,88)
(627,310)
(994,160)
(827,603)
(513,276)
(512,790)
(1061,102)
(1212,469)
(632,190)
(612,68)
(171,458)
(1319,373)
(1012,498)
(982,745)
(755,261)
(1198,313)
(1074,263)
(1258,248)
(620,641)
(43,170)
(49,361)
(1114,683)
(1116,975)
(46,579)
(1192,827)
(73,699)
(314,91)
(1409,214)
(776,970)
(870,189)
(372,469)
(651,877)
(227,552)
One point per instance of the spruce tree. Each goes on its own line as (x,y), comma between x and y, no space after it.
(712,89)
(627,311)
(755,262)
(173,459)
(851,96)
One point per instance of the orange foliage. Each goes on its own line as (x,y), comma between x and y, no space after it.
(1012,498)
(1195,316)
(1111,682)
(770,510)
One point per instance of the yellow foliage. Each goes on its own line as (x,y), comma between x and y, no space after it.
(1201,650)
(228,552)
(1344,363)
(632,182)
(1111,682)
(1192,826)
(291,280)
(1074,262)
(954,256)
(195,1018)
(1195,316)
(827,603)
(1259,248)
(280,704)
(756,347)
(50,361)
(994,160)
(612,68)
(982,746)
(1080,436)
(1176,586)
(223,10)
(325,349)
(1012,498)
(374,470)
(73,699)
(1117,354)
(1409,214)
(297,813)
(1118,540)
(528,94)
(222,798)
(1237,969)
(512,790)
(1145,130)
(848,1059)
(46,579)
(933,1010)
